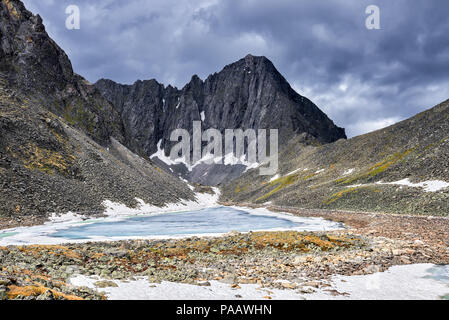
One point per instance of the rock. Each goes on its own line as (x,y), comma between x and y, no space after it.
(251,84)
(3,294)
(204,284)
(371,269)
(47,295)
(5,282)
(230,279)
(105,284)
(405,260)
(116,275)
(314,284)
(117,253)
(288,285)
(299,259)
(398,252)
(235,286)
(306,290)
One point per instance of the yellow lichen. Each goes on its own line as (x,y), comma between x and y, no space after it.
(338,195)
(280,184)
(36,290)
(12,10)
(377,168)
(36,158)
(37,250)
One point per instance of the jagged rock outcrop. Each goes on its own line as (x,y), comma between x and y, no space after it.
(61,142)
(32,63)
(247,94)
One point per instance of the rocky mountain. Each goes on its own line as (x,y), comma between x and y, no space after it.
(62,144)
(35,65)
(249,93)
(68,145)
(403,168)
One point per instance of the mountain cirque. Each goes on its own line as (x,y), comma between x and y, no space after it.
(68,145)
(247,94)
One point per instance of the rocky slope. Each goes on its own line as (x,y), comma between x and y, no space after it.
(34,65)
(249,93)
(365,173)
(62,143)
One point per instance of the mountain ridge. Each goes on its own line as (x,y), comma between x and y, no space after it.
(247,94)
(401,168)
(62,144)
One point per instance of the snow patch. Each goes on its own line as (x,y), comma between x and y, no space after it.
(275,178)
(293,172)
(203,200)
(203,116)
(348,172)
(69,216)
(410,282)
(160,154)
(428,186)
(229,159)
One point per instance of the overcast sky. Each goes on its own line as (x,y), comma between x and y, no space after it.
(363,79)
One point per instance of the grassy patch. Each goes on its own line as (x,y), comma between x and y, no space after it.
(338,195)
(280,184)
(377,168)
(45,160)
(304,242)
(36,290)
(57,250)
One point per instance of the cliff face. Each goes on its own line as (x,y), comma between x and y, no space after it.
(247,94)
(33,64)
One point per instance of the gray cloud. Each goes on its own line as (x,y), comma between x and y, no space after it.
(363,79)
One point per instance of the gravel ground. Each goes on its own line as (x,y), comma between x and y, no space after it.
(303,261)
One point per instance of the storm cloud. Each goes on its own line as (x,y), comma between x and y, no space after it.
(363,79)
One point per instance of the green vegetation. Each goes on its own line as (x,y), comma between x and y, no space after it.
(377,168)
(338,195)
(280,184)
(45,160)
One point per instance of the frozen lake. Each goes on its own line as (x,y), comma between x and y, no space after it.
(209,221)
(206,221)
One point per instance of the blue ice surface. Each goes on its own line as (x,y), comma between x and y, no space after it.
(205,221)
(441,274)
(8,234)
